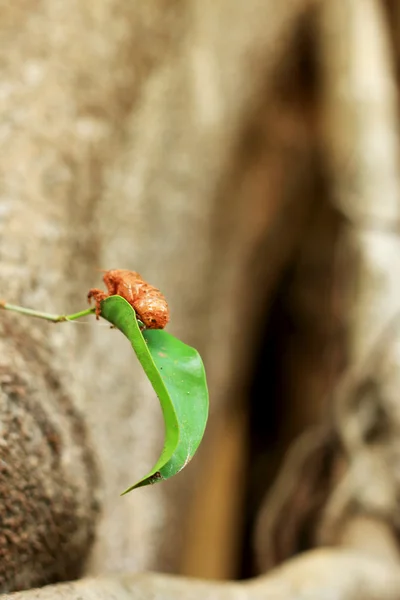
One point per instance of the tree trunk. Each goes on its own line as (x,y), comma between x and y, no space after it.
(121,134)
(184,140)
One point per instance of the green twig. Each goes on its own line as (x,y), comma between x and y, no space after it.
(53,318)
(42,315)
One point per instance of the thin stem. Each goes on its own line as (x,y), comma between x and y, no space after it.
(42,315)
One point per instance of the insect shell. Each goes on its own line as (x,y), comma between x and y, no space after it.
(148,302)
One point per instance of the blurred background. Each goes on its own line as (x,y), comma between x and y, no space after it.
(244,158)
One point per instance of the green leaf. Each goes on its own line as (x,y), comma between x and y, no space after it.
(177,375)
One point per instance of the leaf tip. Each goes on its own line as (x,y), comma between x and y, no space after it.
(150,480)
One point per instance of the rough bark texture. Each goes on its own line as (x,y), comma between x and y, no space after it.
(48,478)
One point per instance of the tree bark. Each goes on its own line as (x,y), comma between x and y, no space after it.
(183,141)
(320,574)
(122,134)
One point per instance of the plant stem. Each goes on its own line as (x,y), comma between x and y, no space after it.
(42,315)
